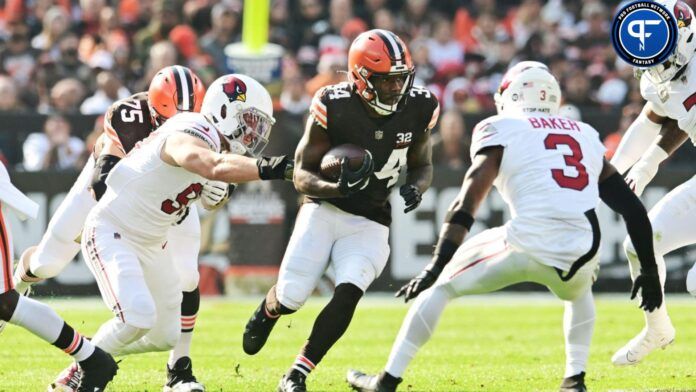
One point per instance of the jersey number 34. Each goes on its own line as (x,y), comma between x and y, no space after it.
(581,180)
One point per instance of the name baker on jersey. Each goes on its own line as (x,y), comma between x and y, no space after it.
(553,123)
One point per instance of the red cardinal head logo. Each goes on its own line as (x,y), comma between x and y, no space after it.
(235,89)
(681,12)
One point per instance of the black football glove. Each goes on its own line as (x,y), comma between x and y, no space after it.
(420,283)
(412,197)
(350,181)
(275,168)
(650,290)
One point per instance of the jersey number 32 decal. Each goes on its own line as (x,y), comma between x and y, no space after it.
(579,182)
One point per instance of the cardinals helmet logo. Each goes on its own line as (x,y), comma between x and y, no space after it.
(681,12)
(235,89)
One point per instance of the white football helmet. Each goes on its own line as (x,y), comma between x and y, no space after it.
(242,110)
(685,48)
(528,87)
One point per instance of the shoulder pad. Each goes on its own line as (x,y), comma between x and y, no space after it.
(196,125)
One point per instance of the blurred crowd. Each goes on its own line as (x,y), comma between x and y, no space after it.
(66,57)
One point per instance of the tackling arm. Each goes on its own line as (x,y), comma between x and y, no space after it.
(617,195)
(310,150)
(638,137)
(107,156)
(460,217)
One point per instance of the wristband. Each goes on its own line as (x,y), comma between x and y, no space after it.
(460,217)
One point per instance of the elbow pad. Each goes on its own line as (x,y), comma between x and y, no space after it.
(102,167)
(638,137)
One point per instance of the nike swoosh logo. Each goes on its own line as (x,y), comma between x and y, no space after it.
(352,184)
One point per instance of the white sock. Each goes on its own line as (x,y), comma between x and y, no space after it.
(45,323)
(418,326)
(113,336)
(182,348)
(578,325)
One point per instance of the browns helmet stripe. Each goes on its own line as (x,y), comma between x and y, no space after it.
(177,80)
(184,88)
(189,85)
(392,44)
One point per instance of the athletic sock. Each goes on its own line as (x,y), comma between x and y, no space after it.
(45,323)
(578,325)
(417,328)
(190,303)
(330,325)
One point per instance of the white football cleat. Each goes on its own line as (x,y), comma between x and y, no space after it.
(68,380)
(642,345)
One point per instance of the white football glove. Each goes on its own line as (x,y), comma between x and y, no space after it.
(214,194)
(643,172)
(688,125)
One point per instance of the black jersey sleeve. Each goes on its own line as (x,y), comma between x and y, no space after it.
(128,121)
(317,109)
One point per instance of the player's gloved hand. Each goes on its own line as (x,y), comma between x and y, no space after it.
(688,125)
(350,181)
(275,168)
(648,282)
(411,195)
(214,194)
(420,283)
(640,176)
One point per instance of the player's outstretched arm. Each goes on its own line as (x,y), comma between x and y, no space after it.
(107,155)
(638,137)
(310,150)
(614,191)
(460,217)
(194,155)
(670,138)
(419,172)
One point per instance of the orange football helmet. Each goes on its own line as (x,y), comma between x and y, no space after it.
(380,55)
(174,89)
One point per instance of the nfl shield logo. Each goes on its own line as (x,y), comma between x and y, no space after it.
(379,134)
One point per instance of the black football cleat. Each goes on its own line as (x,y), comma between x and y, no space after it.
(180,378)
(293,382)
(97,371)
(574,383)
(362,382)
(257,330)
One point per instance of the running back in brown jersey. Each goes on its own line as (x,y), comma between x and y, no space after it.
(128,121)
(340,111)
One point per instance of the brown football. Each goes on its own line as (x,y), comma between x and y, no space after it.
(330,167)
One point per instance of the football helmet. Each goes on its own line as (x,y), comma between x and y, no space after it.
(242,111)
(684,49)
(380,55)
(174,89)
(528,87)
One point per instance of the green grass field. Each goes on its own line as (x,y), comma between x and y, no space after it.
(497,343)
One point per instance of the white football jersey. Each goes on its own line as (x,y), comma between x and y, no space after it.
(549,178)
(673,99)
(145,195)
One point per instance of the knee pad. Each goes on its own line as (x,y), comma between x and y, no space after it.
(165,337)
(52,255)
(8,304)
(274,306)
(189,282)
(141,312)
(129,333)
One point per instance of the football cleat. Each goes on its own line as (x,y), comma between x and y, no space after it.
(293,382)
(642,345)
(180,378)
(574,383)
(97,371)
(257,330)
(68,380)
(362,382)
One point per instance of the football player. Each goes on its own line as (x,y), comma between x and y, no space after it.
(98,367)
(125,237)
(670,93)
(551,172)
(347,222)
(174,89)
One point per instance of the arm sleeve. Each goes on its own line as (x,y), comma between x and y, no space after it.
(317,109)
(102,167)
(487,134)
(638,137)
(618,196)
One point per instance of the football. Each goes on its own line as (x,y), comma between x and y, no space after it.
(330,167)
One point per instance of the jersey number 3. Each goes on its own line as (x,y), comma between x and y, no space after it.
(579,182)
